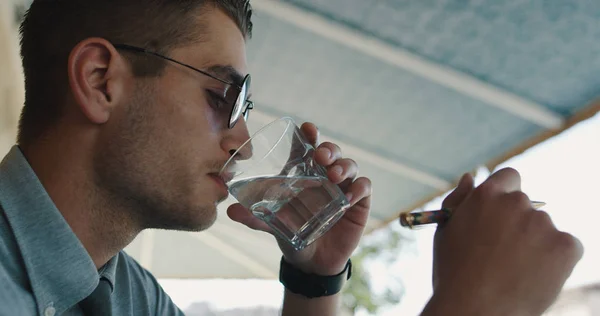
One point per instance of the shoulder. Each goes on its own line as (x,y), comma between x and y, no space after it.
(144,285)
(128,262)
(137,276)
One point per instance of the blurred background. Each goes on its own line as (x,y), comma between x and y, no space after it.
(418,92)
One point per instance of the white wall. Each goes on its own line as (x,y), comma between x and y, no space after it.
(11,76)
(577,302)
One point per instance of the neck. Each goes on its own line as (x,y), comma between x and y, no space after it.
(67,174)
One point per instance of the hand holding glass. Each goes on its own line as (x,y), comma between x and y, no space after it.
(275,176)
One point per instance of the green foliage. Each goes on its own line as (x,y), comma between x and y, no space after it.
(384,248)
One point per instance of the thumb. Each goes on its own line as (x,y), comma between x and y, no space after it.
(464,188)
(454,199)
(242,215)
(311,132)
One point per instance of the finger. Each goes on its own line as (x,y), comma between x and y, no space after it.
(570,246)
(570,249)
(341,170)
(359,194)
(327,153)
(505,180)
(311,132)
(242,215)
(465,186)
(359,190)
(539,221)
(454,199)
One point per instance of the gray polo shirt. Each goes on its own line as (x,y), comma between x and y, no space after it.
(44,268)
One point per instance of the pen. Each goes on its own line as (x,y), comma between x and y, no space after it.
(436,217)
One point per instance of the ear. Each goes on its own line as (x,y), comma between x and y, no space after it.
(97,77)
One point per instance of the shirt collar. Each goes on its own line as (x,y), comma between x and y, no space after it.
(109,271)
(60,270)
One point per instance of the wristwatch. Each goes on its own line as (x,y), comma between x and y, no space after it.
(312,285)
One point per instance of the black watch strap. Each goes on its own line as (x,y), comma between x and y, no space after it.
(312,285)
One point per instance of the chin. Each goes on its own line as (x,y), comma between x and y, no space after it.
(221,200)
(191,218)
(198,213)
(203,219)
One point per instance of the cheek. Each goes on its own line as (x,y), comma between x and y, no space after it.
(192,124)
(189,128)
(186,109)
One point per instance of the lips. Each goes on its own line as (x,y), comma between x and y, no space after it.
(221,181)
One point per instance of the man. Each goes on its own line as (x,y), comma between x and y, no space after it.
(131,109)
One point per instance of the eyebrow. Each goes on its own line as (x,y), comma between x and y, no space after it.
(226,72)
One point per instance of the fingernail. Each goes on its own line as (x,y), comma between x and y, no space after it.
(326,151)
(337,169)
(349,197)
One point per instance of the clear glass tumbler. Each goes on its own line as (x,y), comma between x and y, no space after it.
(275,176)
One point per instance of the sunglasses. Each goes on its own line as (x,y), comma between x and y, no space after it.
(236,96)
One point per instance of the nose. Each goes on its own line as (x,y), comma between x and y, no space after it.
(235,139)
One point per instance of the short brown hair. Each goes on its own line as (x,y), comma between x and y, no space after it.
(52,28)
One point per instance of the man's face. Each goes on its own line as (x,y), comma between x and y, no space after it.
(160,152)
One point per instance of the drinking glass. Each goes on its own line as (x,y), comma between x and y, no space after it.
(275,176)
